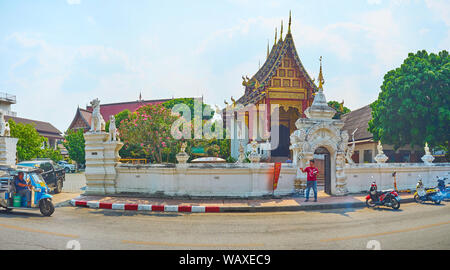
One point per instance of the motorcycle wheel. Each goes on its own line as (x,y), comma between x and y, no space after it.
(395,204)
(417,199)
(370,203)
(46,206)
(59,186)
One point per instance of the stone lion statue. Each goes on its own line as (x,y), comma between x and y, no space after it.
(97,122)
(112,128)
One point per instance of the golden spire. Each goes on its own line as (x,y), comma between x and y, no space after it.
(321,80)
(289,27)
(275,43)
(281,34)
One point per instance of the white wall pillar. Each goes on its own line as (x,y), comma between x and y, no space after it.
(102,156)
(8,150)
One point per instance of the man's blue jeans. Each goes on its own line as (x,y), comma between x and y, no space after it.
(309,185)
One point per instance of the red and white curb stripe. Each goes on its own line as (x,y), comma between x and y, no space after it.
(147,207)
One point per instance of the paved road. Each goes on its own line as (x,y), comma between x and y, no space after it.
(414,227)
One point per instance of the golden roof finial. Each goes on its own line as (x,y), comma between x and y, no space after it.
(321,80)
(289,27)
(281,34)
(275,43)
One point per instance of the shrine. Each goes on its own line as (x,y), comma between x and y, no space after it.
(281,82)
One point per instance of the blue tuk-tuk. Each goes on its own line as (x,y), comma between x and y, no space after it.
(9,199)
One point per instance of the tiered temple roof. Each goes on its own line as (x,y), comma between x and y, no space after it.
(255,87)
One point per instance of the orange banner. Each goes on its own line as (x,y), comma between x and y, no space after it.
(276,174)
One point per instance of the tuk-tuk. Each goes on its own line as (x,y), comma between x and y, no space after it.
(40,199)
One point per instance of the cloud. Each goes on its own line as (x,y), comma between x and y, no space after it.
(73,2)
(374,2)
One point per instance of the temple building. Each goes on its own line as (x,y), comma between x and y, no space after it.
(282,80)
(82,118)
(366,146)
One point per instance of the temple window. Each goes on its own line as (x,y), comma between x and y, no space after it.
(368,156)
(282,73)
(296,83)
(286,63)
(276,82)
(290,73)
(286,83)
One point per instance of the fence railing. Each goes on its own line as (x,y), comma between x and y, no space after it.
(134,160)
(7,97)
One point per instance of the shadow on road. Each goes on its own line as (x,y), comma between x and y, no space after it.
(20,214)
(387,209)
(339,211)
(124,213)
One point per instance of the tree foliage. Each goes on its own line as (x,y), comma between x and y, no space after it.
(125,114)
(74,143)
(149,127)
(30,142)
(413,105)
(340,109)
(190,102)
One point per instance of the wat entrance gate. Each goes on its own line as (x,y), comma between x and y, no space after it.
(319,132)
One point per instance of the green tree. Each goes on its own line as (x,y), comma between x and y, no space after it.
(74,143)
(30,142)
(125,114)
(413,106)
(149,127)
(340,109)
(190,102)
(53,154)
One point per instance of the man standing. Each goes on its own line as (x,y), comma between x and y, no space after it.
(311,177)
(22,187)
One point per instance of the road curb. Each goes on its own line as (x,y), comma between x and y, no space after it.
(217,209)
(146,207)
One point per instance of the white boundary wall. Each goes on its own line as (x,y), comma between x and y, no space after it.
(105,175)
(359,175)
(205,180)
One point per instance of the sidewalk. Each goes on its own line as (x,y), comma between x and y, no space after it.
(293,203)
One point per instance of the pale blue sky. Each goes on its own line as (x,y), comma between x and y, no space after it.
(56,55)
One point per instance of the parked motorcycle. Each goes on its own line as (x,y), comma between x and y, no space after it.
(388,198)
(424,194)
(444,190)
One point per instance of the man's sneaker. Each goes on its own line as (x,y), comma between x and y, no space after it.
(306,200)
(315,200)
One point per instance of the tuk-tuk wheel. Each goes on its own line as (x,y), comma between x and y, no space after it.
(46,206)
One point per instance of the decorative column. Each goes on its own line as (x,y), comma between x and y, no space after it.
(381,157)
(182,157)
(110,161)
(254,156)
(95,170)
(341,178)
(427,158)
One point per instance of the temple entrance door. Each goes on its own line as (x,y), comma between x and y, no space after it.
(284,141)
(323,163)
